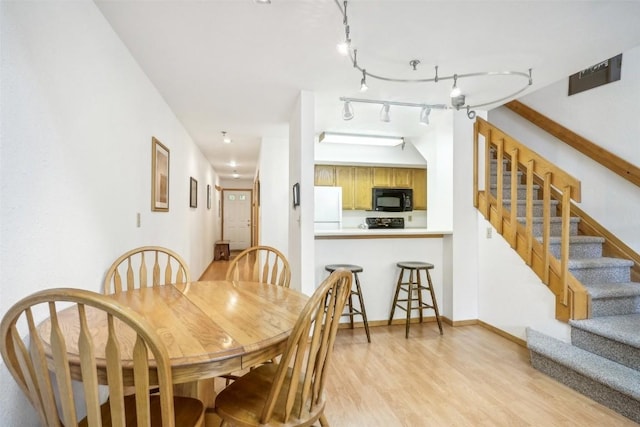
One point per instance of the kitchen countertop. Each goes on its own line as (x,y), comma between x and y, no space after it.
(379,233)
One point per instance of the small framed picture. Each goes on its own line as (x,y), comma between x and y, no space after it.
(296,194)
(159,176)
(193,193)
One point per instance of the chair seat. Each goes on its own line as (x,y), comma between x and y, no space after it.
(188,412)
(252,390)
(350,267)
(414,265)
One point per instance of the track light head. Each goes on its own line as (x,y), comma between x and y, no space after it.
(424,116)
(384,114)
(347,111)
(363,82)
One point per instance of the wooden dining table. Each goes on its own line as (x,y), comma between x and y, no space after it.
(210,328)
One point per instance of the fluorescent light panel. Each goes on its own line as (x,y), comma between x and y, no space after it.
(360,139)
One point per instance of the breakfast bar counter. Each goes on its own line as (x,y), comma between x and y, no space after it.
(380,233)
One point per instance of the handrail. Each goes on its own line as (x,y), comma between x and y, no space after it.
(616,164)
(571,296)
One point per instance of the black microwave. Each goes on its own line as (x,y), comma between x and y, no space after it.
(392,199)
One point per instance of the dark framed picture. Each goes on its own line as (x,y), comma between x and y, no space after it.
(159,176)
(193,193)
(208,196)
(296,194)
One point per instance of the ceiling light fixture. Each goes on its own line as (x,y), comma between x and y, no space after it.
(386,105)
(347,111)
(360,139)
(384,113)
(458,100)
(424,116)
(225,138)
(363,82)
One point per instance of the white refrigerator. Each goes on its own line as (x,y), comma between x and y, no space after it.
(328,208)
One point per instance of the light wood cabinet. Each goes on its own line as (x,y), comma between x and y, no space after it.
(383,177)
(357,182)
(363,185)
(403,177)
(345,179)
(325,175)
(419,189)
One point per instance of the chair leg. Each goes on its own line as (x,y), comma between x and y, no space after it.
(435,303)
(409,303)
(350,308)
(395,298)
(362,309)
(323,421)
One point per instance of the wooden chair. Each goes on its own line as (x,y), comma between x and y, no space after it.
(291,392)
(260,264)
(46,379)
(137,264)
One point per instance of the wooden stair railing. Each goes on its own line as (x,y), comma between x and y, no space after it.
(572,301)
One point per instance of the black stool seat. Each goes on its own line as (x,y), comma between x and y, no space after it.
(351,267)
(414,285)
(414,264)
(351,310)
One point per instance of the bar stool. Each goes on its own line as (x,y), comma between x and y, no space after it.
(351,310)
(414,285)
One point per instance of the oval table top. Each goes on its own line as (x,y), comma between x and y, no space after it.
(210,328)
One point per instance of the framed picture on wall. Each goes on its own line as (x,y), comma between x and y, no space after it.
(159,176)
(208,196)
(193,193)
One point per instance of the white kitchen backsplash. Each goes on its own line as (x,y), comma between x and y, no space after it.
(412,219)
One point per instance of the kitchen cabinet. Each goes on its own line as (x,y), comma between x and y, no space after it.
(357,181)
(420,189)
(325,175)
(382,177)
(403,177)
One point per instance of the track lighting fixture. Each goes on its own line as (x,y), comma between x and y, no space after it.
(458,98)
(384,113)
(424,115)
(386,105)
(363,82)
(347,111)
(225,138)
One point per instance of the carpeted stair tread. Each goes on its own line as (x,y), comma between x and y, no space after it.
(578,239)
(540,220)
(625,328)
(579,263)
(600,369)
(613,290)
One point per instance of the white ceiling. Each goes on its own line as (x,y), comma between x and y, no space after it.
(238,66)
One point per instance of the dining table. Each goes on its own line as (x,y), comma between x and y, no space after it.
(210,328)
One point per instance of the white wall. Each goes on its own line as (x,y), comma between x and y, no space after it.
(275,195)
(78,115)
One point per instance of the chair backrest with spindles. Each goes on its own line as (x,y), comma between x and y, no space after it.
(260,264)
(299,382)
(43,371)
(146,266)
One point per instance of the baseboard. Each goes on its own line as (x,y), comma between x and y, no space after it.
(454,323)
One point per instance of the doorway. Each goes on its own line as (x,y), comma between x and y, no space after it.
(236,218)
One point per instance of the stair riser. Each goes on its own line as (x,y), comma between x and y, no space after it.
(555,229)
(619,402)
(538,209)
(506,193)
(615,306)
(506,178)
(602,274)
(579,250)
(613,350)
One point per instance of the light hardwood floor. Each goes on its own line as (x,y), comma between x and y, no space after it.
(470,376)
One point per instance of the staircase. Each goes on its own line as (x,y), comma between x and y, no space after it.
(603,359)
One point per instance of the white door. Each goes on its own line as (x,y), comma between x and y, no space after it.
(237,218)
